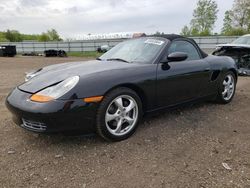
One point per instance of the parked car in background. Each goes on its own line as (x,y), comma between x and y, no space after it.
(103,48)
(239,50)
(7,50)
(55,53)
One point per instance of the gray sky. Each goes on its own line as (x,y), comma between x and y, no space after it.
(72,18)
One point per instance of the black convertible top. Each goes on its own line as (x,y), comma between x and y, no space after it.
(172,37)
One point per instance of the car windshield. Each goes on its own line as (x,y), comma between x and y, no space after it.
(142,50)
(242,40)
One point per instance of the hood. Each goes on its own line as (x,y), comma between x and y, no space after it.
(56,73)
(233,45)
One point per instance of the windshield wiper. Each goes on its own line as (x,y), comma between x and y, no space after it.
(117,59)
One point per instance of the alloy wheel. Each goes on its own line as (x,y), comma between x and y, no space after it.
(121,115)
(229,87)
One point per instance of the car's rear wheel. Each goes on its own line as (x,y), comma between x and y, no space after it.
(227,88)
(119,114)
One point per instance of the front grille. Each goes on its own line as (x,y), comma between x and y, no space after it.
(34,126)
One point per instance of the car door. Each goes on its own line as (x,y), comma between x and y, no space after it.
(181,81)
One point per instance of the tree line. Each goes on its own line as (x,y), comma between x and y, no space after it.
(236,20)
(16,36)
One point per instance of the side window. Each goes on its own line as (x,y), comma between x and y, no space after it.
(186,47)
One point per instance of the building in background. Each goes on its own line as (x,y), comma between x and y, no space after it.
(120,35)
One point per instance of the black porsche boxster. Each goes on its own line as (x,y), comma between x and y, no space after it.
(110,95)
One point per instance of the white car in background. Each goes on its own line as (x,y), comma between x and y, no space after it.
(103,48)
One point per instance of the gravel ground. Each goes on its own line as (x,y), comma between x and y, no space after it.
(203,145)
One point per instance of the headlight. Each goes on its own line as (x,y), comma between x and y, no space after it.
(31,74)
(56,91)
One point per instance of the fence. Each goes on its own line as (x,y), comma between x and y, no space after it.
(206,43)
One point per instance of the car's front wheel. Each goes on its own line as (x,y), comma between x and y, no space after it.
(119,114)
(227,88)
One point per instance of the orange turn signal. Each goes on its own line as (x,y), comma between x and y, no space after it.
(41,98)
(93,99)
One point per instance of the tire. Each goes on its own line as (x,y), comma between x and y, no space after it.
(119,114)
(226,89)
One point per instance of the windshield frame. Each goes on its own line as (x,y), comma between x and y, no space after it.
(157,55)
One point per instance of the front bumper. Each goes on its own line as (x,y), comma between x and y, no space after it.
(244,72)
(51,117)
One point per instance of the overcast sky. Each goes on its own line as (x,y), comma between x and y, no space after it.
(72,18)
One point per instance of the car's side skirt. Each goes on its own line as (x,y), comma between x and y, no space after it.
(183,103)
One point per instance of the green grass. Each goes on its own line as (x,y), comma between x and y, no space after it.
(85,54)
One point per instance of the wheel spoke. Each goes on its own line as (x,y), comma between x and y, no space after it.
(119,126)
(229,80)
(129,120)
(109,117)
(130,106)
(225,83)
(119,103)
(224,92)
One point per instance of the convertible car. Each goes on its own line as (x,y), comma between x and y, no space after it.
(110,95)
(239,50)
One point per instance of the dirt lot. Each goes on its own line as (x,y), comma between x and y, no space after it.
(181,148)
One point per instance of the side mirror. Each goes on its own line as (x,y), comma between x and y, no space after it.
(177,56)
